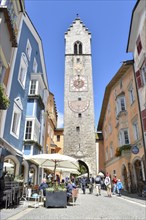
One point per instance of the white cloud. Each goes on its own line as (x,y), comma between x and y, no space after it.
(60,120)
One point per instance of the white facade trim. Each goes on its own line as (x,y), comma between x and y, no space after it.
(18,102)
(23,70)
(38,39)
(16,110)
(28,49)
(26,170)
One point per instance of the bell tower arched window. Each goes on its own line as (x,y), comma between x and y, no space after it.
(78,48)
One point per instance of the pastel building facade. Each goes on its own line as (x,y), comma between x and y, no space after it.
(137,45)
(121,128)
(59,139)
(10,18)
(24,124)
(51,118)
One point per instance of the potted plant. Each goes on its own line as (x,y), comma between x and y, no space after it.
(123,150)
(118,152)
(56,196)
(4,100)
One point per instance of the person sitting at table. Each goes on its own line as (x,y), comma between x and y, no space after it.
(43,186)
(70,186)
(62,184)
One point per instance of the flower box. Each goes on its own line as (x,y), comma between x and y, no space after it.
(56,199)
(124,150)
(4,100)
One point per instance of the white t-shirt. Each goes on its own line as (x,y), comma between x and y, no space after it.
(107,180)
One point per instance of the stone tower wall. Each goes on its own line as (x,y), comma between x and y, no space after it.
(80,144)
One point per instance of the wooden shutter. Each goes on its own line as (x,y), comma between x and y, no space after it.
(139,79)
(143,114)
(139,45)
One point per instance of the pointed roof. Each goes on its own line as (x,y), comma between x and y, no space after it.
(75,21)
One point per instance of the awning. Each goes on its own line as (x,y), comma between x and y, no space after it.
(4,144)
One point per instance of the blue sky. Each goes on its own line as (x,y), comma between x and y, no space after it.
(109,23)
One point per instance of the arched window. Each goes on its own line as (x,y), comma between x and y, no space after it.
(77,48)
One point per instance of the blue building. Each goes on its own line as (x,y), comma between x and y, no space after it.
(24,120)
(10,17)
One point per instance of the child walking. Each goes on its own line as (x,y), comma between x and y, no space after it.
(119,187)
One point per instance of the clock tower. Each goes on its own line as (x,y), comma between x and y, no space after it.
(79,133)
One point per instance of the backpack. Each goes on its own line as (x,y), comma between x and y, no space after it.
(97,179)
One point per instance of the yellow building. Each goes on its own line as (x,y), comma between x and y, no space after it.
(59,139)
(99,152)
(51,124)
(121,128)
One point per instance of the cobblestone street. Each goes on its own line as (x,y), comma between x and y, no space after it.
(88,207)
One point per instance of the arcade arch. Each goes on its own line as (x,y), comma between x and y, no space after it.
(25,170)
(124,177)
(33,174)
(12,159)
(138,169)
(83,167)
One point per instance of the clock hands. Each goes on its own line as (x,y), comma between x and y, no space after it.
(79,83)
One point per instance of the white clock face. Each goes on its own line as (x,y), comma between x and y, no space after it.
(78,83)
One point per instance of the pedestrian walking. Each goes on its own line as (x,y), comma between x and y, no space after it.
(98,184)
(114,180)
(119,187)
(70,186)
(91,184)
(107,182)
(83,184)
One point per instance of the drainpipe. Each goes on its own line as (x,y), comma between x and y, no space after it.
(140,121)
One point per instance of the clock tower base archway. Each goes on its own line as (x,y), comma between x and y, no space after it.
(83,167)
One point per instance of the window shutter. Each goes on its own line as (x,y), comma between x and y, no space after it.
(143,114)
(144,123)
(139,45)
(139,79)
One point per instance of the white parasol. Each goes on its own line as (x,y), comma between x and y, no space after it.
(54,161)
(73,171)
(8,165)
(101,174)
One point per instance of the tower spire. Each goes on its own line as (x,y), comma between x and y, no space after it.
(77,16)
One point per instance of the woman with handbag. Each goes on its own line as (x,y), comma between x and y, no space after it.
(107,182)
